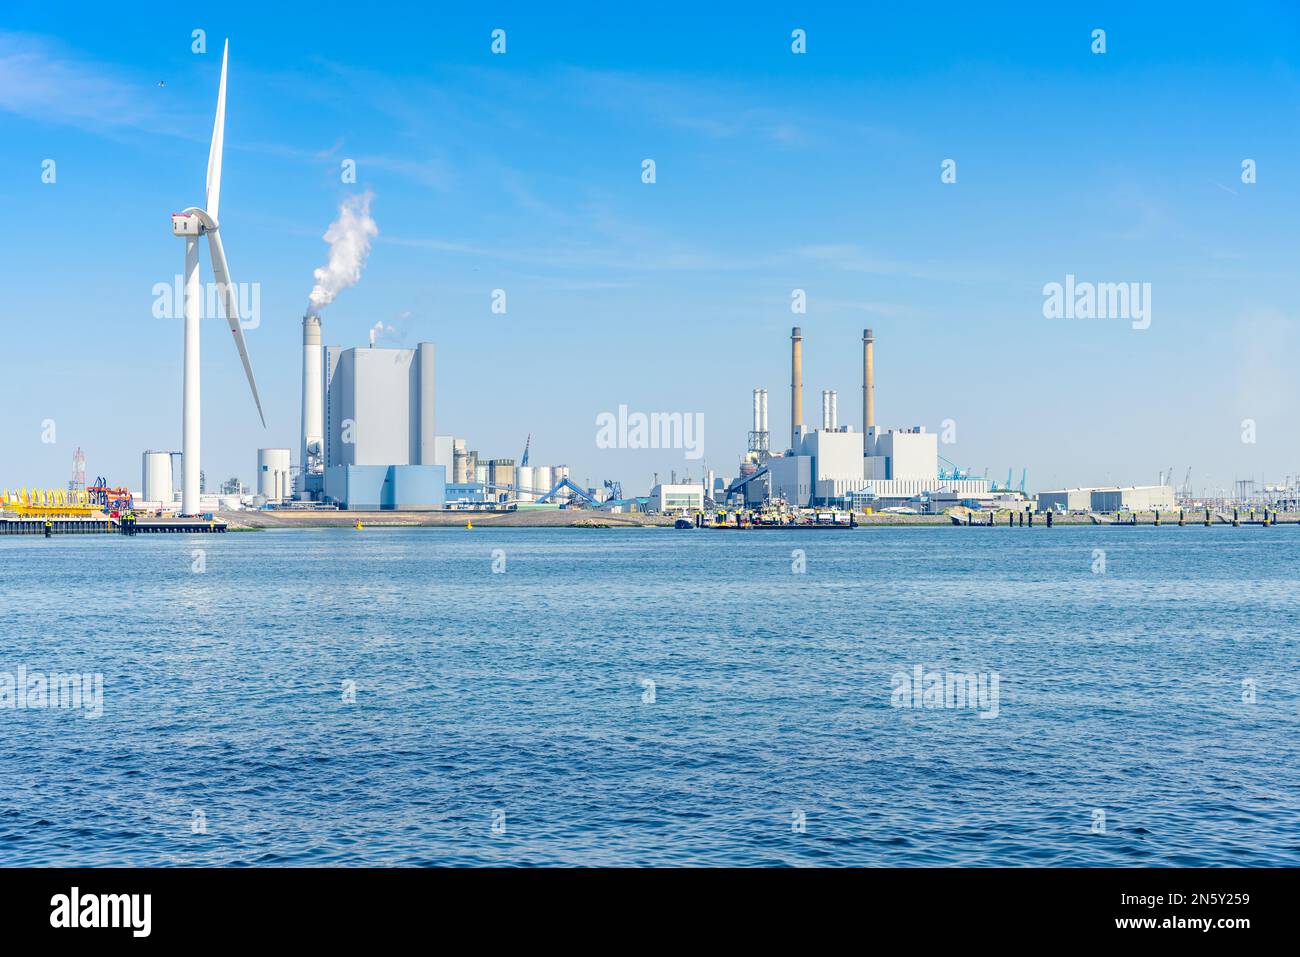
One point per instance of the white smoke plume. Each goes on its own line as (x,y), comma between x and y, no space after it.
(378,330)
(349,238)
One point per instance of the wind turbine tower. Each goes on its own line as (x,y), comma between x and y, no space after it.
(190,225)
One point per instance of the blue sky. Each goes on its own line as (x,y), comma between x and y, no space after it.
(774,172)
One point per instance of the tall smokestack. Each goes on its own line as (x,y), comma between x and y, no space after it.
(868,381)
(834,411)
(826,410)
(796,386)
(763,421)
(758,412)
(313,417)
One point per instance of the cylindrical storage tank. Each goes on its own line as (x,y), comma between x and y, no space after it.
(178,469)
(273,474)
(501,473)
(558,474)
(156,478)
(229,503)
(524,479)
(542,480)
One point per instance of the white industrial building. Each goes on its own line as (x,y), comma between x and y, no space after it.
(1066,500)
(1109,498)
(684,498)
(1133,498)
(379,407)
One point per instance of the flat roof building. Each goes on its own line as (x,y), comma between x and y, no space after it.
(681,497)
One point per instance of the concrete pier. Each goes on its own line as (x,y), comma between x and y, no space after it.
(57,526)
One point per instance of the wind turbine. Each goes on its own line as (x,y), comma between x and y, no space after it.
(191,224)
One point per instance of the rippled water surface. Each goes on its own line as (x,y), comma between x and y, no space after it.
(517,698)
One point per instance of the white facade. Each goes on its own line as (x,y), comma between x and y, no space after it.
(905,488)
(836,457)
(677,498)
(1066,500)
(1112,498)
(791,479)
(907,454)
(1133,498)
(838,454)
(444,452)
(379,408)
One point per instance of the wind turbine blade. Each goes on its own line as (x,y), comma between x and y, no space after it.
(230,302)
(218,141)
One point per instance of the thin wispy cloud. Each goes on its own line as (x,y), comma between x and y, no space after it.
(43,81)
(852,258)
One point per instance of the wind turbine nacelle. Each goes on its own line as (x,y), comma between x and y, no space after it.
(186,224)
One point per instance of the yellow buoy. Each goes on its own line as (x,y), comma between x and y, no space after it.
(359,525)
(469,525)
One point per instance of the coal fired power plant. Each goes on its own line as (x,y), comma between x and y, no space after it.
(369,438)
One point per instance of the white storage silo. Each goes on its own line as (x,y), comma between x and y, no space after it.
(524,481)
(542,480)
(273,474)
(156,478)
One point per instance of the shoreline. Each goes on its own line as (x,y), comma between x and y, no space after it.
(586,518)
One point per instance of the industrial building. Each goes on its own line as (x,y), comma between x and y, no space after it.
(370,438)
(1112,498)
(671,499)
(1066,500)
(836,466)
(382,449)
(273,475)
